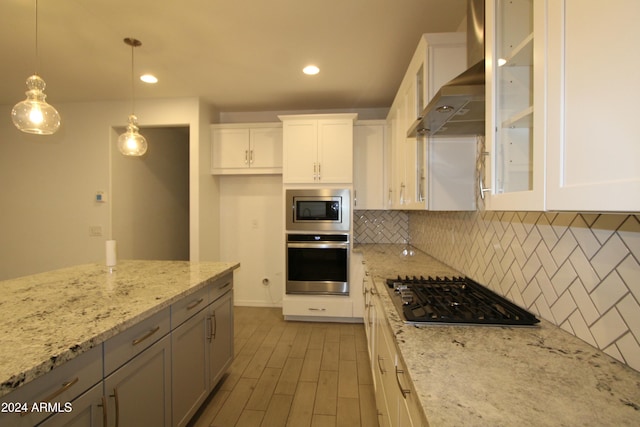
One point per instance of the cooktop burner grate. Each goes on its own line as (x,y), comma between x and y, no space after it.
(454,300)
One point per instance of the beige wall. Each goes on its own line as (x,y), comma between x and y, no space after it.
(48,184)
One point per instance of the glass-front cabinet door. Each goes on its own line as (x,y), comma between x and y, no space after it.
(515,137)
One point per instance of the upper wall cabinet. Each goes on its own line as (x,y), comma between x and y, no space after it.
(318,148)
(515,127)
(561,123)
(369,154)
(593,146)
(247,148)
(438,59)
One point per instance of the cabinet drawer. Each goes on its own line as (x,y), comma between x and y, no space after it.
(124,346)
(188,306)
(323,307)
(61,385)
(220,287)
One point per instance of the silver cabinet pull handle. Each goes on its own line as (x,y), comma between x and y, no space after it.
(482,189)
(246,157)
(251,157)
(317,309)
(215,325)
(195,304)
(64,387)
(404,391)
(103,405)
(147,335)
(319,174)
(115,398)
(210,332)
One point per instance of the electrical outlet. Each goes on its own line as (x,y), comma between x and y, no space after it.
(95,230)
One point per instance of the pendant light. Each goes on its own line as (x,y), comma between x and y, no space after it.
(34,115)
(131,143)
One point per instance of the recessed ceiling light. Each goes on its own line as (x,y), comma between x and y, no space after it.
(311,70)
(149,78)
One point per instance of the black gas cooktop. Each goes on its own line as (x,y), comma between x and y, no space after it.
(455,300)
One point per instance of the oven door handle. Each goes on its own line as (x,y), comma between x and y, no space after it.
(318,245)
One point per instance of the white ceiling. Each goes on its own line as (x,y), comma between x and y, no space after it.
(238,55)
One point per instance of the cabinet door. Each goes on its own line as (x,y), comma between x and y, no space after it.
(300,142)
(357,284)
(139,393)
(189,367)
(265,151)
(220,337)
(593,152)
(384,363)
(452,173)
(230,148)
(369,166)
(515,127)
(88,410)
(335,151)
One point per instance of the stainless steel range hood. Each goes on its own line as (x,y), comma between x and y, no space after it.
(458,107)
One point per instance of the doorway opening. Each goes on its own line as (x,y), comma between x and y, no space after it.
(150,197)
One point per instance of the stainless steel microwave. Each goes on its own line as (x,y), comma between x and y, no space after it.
(318,210)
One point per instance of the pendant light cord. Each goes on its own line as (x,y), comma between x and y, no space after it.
(37,54)
(132,80)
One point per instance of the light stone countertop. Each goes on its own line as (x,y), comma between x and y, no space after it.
(49,318)
(503,376)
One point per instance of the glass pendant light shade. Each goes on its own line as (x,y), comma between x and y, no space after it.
(34,115)
(131,143)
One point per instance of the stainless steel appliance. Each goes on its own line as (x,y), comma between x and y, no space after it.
(317,264)
(318,210)
(456,300)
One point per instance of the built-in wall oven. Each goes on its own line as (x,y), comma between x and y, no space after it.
(318,264)
(318,222)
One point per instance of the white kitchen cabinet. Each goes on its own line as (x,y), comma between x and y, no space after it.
(514,158)
(318,149)
(139,392)
(247,148)
(369,171)
(560,126)
(593,147)
(398,405)
(298,306)
(220,335)
(357,284)
(438,58)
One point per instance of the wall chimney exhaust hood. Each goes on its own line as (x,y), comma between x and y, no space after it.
(459,106)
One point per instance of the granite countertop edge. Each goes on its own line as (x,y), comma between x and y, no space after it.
(501,376)
(182,282)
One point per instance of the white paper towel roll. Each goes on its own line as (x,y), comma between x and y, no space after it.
(111,253)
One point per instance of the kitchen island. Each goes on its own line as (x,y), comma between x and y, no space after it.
(47,320)
(501,376)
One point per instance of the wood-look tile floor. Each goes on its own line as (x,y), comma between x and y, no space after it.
(293,374)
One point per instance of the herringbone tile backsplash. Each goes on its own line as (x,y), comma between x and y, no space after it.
(380,227)
(578,271)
